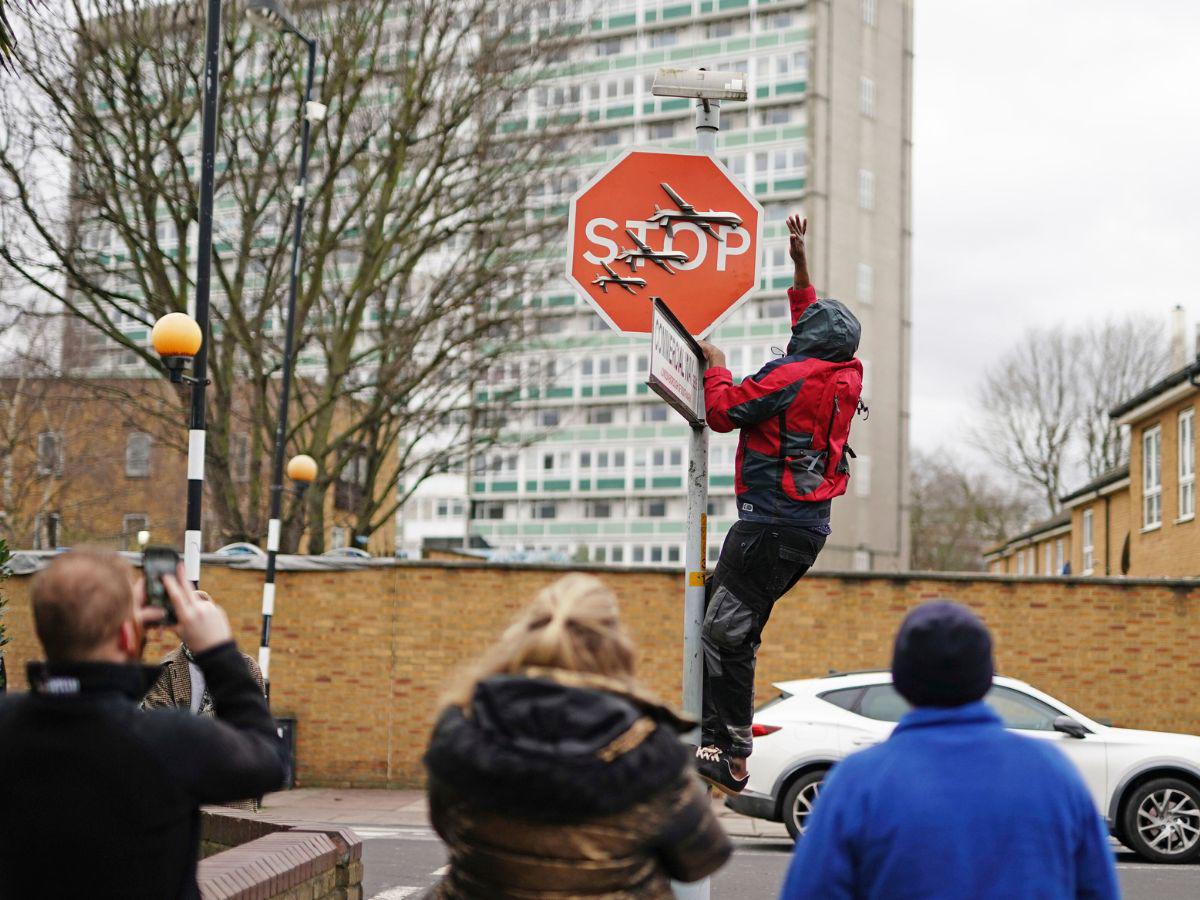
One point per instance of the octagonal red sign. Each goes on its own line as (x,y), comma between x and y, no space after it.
(669,224)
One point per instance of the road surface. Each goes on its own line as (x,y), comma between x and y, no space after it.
(400,863)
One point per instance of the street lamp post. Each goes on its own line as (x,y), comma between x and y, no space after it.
(192,538)
(302,470)
(273,13)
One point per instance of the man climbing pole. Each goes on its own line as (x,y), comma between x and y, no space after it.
(793,459)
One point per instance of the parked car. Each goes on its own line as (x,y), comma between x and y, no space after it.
(1145,783)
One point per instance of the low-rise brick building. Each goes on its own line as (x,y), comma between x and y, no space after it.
(97,461)
(1138,519)
(1044,549)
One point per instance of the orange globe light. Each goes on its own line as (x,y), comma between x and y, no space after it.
(176,334)
(302,468)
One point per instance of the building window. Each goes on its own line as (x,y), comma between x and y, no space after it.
(860,476)
(1059,558)
(870,13)
(1152,477)
(1020,562)
(137,455)
(545,511)
(866,96)
(239,456)
(866,189)
(653,509)
(1088,541)
(50,453)
(131,524)
(337,537)
(600,416)
(46,528)
(493,511)
(1187,464)
(350,489)
(865,283)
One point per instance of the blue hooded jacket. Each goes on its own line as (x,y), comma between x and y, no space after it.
(954,806)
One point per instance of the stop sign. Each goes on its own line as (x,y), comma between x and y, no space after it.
(667,224)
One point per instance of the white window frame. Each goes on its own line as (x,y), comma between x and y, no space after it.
(865,283)
(870,13)
(866,189)
(866,96)
(1020,562)
(860,475)
(1048,558)
(56,468)
(1186,446)
(1087,541)
(133,469)
(1059,556)
(1152,478)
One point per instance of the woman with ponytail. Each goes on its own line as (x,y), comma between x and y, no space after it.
(552,774)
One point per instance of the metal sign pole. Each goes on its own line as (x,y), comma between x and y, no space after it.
(708,123)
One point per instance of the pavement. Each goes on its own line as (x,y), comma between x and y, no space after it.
(403,856)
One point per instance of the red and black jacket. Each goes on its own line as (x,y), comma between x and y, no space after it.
(794,457)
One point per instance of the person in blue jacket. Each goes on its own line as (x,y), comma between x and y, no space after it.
(952,805)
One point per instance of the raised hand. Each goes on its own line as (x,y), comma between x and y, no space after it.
(200,624)
(797,229)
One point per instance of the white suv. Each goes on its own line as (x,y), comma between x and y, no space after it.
(1145,783)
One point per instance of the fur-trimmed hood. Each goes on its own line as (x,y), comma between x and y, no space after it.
(553,745)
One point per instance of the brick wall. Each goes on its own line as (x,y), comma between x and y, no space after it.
(360,657)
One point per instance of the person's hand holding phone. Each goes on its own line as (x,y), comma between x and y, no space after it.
(200,624)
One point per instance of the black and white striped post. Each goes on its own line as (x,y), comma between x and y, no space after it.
(301,469)
(177,338)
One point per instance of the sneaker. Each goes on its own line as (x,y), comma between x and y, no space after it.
(713,765)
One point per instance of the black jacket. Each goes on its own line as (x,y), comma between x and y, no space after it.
(559,784)
(100,799)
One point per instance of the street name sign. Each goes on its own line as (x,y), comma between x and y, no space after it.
(663,223)
(676,365)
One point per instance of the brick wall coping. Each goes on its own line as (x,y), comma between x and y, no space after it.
(267,867)
(259,857)
(323,565)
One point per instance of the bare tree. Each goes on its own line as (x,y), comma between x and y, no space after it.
(1119,359)
(1030,403)
(957,513)
(1044,405)
(418,248)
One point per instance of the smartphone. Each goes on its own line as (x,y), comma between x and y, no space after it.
(157,562)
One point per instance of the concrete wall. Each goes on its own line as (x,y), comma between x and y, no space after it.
(360,658)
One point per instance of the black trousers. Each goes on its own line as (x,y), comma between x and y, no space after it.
(758,565)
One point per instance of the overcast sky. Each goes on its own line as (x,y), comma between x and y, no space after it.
(1056,147)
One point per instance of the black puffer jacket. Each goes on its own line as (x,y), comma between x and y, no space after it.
(556,784)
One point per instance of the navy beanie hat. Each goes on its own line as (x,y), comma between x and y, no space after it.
(943,656)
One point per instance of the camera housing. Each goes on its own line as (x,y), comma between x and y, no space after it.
(700,84)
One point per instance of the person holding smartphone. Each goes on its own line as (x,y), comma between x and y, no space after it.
(99,798)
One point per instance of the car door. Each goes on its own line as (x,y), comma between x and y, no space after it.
(1034,718)
(877,709)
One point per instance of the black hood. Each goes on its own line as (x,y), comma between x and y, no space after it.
(542,749)
(826,330)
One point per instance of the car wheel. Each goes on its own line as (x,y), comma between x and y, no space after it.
(798,801)
(1162,821)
